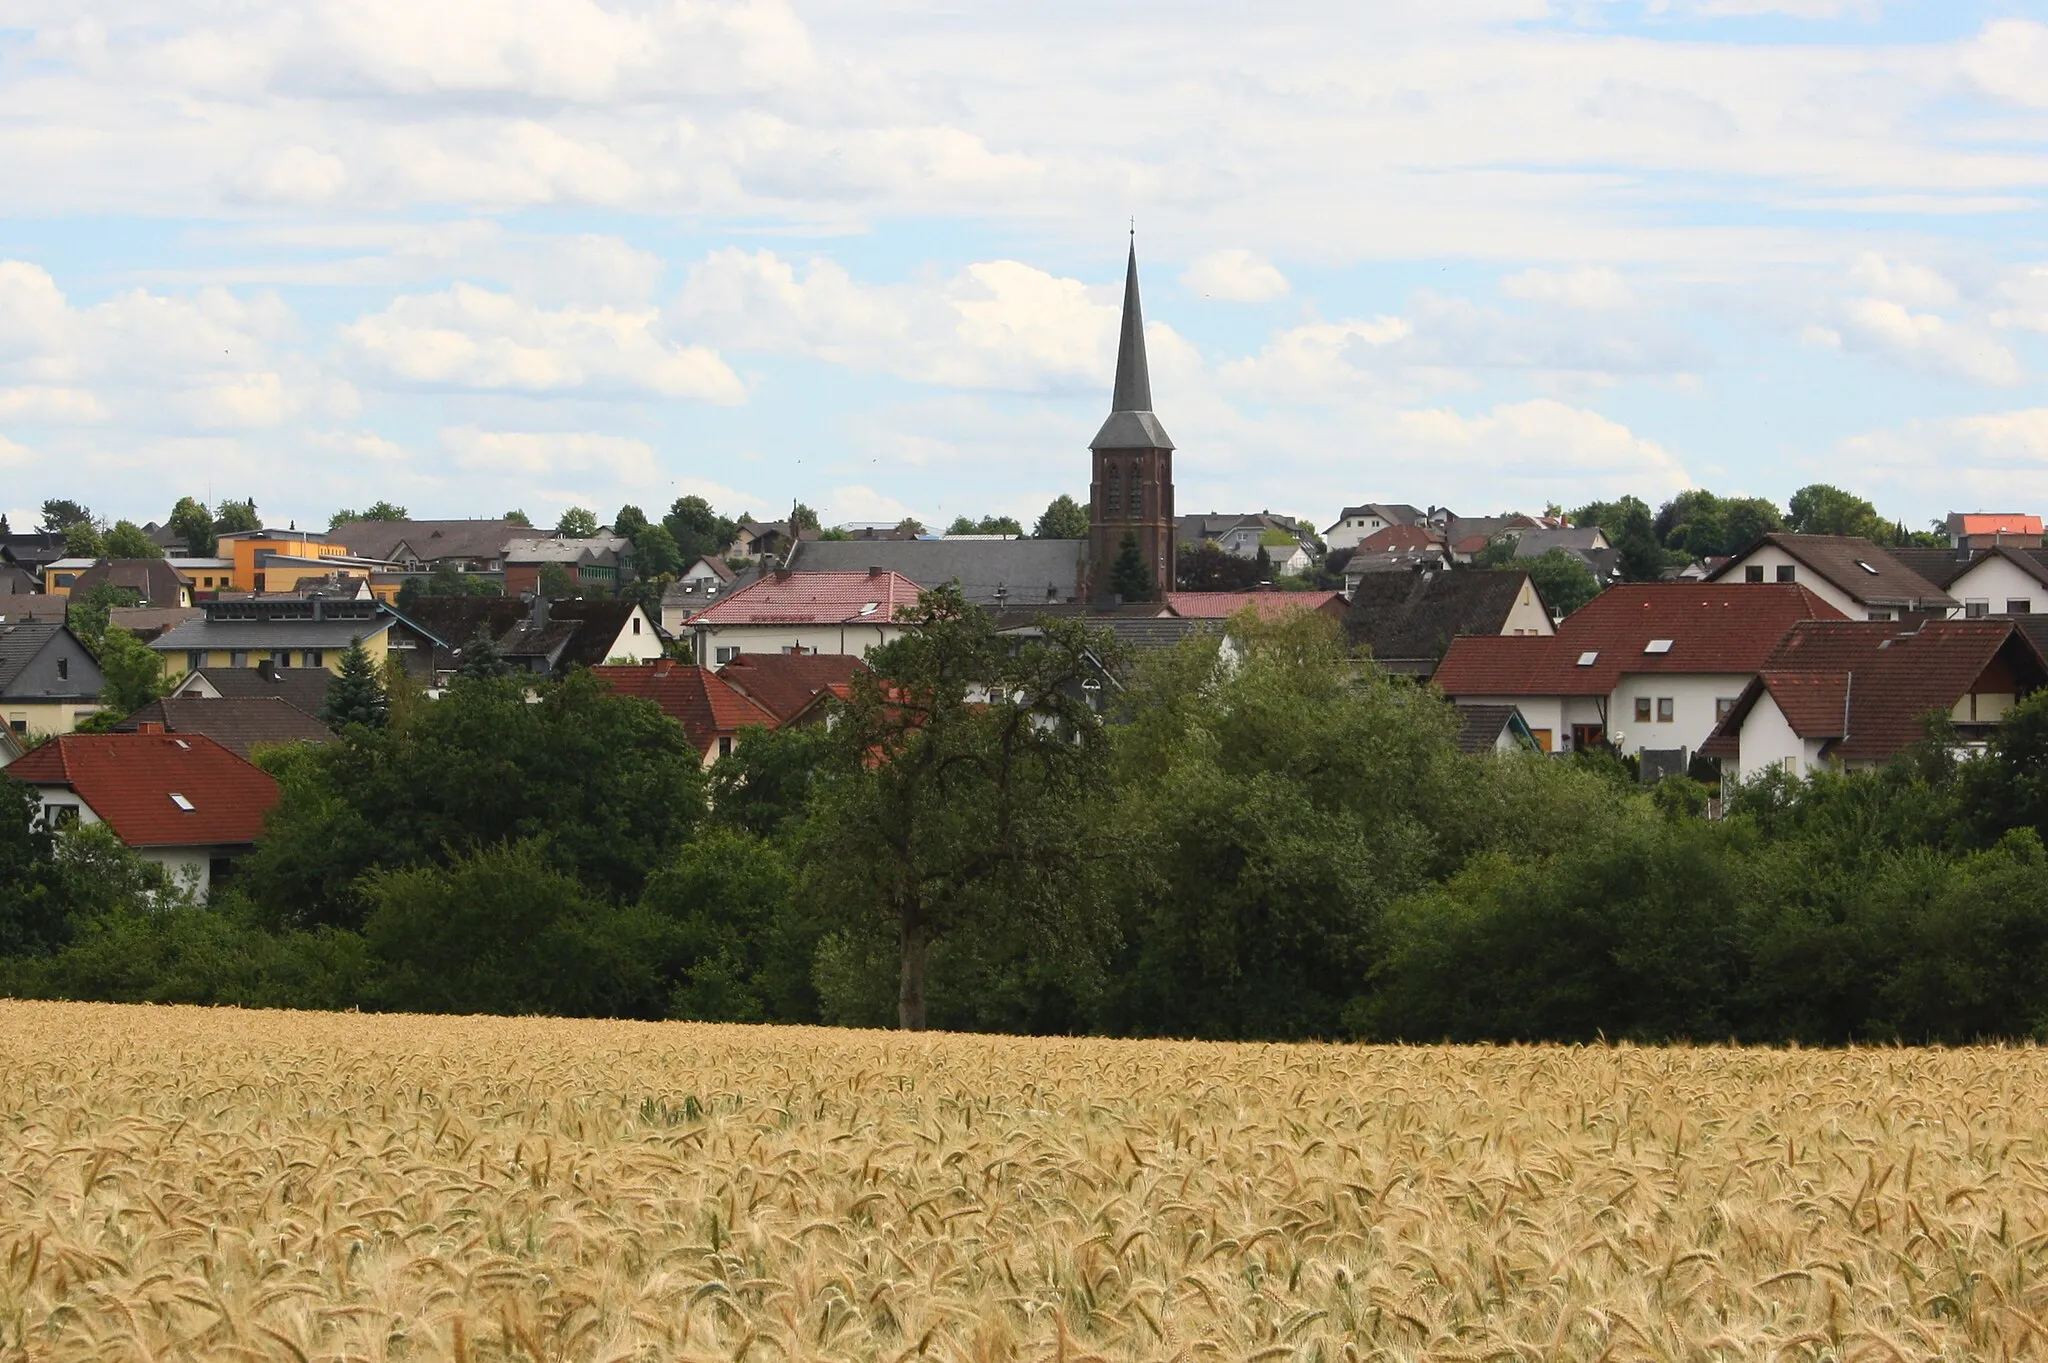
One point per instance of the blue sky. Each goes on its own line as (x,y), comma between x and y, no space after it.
(1491,254)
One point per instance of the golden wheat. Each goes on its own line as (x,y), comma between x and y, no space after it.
(184,1184)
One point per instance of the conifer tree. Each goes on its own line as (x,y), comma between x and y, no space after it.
(480,658)
(356,696)
(1128,576)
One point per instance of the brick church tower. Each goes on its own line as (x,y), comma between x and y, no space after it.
(1132,493)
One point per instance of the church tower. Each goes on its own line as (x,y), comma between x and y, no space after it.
(1132,493)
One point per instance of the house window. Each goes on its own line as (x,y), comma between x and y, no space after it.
(1976,610)
(313,657)
(1665,708)
(1786,573)
(725,745)
(1877,615)
(195,660)
(2019,605)
(1753,573)
(59,816)
(1642,709)
(1724,706)
(63,669)
(636,624)
(19,726)
(238,658)
(66,579)
(722,656)
(281,658)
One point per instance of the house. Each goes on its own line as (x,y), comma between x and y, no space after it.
(303,688)
(204,577)
(1587,544)
(148,622)
(602,563)
(1362,564)
(766,539)
(1269,605)
(1643,668)
(712,711)
(1407,620)
(456,619)
(1494,728)
(792,612)
(272,560)
(153,580)
(184,803)
(48,679)
(1993,530)
(19,581)
(1402,539)
(59,574)
(467,546)
(1288,547)
(241,724)
(1354,523)
(1854,694)
(30,552)
(994,573)
(2000,580)
(1858,579)
(708,570)
(295,630)
(608,631)
(793,687)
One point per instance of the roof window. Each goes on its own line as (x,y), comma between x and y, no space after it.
(1657,646)
(870,608)
(1866,567)
(181,802)
(1589,657)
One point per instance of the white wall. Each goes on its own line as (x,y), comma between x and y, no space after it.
(1771,558)
(1767,741)
(190,867)
(1994,581)
(1347,533)
(641,647)
(1554,714)
(1527,615)
(1692,698)
(852,639)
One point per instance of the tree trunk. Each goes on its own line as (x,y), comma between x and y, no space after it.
(910,992)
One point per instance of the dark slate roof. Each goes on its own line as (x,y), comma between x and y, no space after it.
(154,580)
(303,687)
(598,626)
(19,643)
(1943,567)
(241,724)
(18,581)
(1409,619)
(1131,425)
(454,619)
(263,636)
(430,540)
(1480,726)
(1029,572)
(32,550)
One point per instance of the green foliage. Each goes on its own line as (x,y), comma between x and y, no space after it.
(698,530)
(1698,523)
(517,517)
(655,553)
(803,518)
(376,511)
(133,674)
(555,583)
(1209,567)
(356,695)
(763,786)
(987,525)
(1820,509)
(1129,578)
(577,523)
(194,524)
(742,950)
(834,534)
(612,784)
(127,540)
(481,660)
(1561,578)
(910,525)
(1064,519)
(61,514)
(2008,789)
(88,612)
(1632,531)
(32,902)
(236,518)
(82,539)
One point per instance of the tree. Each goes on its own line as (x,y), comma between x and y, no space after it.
(481,660)
(517,517)
(193,524)
(376,511)
(802,517)
(698,530)
(962,525)
(356,695)
(134,674)
(910,525)
(953,801)
(5,529)
(555,582)
(404,696)
(236,518)
(61,514)
(655,554)
(987,525)
(1129,578)
(742,954)
(1561,577)
(87,613)
(577,523)
(763,786)
(1208,567)
(1821,509)
(82,540)
(1064,519)
(1633,531)
(32,904)
(127,540)
(630,521)
(1745,520)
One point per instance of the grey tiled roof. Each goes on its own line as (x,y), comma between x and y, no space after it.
(1029,572)
(305,688)
(19,643)
(264,636)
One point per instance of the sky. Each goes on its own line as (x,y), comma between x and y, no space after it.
(472,255)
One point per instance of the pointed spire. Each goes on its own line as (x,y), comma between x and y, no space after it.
(1133,391)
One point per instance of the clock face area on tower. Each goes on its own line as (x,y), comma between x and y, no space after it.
(1132,492)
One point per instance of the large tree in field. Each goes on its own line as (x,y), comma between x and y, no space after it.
(954,798)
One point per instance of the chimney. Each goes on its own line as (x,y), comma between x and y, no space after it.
(146,727)
(878,572)
(539,618)
(783,574)
(267,669)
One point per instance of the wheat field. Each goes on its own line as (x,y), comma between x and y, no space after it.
(186,1183)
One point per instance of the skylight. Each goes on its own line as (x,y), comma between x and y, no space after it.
(1589,657)
(870,608)
(1657,646)
(181,802)
(1866,567)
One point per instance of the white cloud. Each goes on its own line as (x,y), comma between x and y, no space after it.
(1532,451)
(1235,276)
(469,337)
(857,502)
(2024,295)
(997,324)
(584,459)
(1593,287)
(1993,460)
(1318,361)
(1926,341)
(2009,61)
(1901,281)
(51,406)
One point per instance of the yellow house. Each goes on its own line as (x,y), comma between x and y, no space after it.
(293,632)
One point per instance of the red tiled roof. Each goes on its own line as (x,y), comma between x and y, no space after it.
(1269,605)
(1868,685)
(798,598)
(1398,539)
(1713,627)
(1988,523)
(695,697)
(129,780)
(784,684)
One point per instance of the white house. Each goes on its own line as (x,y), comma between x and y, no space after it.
(799,612)
(1858,579)
(2001,580)
(1854,694)
(1354,523)
(1644,667)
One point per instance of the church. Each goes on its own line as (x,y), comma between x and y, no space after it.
(1132,490)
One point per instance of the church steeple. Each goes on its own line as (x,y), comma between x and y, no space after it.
(1131,496)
